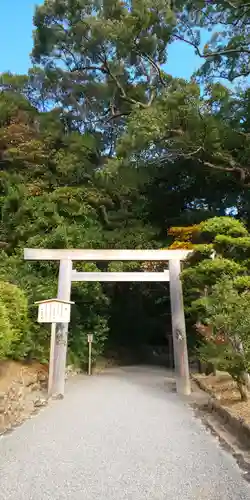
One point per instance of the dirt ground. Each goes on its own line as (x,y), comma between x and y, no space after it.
(224,389)
(11,371)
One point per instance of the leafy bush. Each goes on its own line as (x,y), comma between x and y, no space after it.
(233,248)
(242,283)
(229,226)
(14,320)
(217,298)
(6,336)
(224,357)
(78,341)
(16,304)
(39,281)
(208,272)
(228,344)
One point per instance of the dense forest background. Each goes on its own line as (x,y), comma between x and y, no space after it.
(101,148)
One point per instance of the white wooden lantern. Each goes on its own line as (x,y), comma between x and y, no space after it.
(54,311)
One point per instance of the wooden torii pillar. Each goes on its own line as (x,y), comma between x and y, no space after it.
(67,275)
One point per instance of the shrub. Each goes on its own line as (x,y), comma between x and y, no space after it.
(229,226)
(228,344)
(6,334)
(14,319)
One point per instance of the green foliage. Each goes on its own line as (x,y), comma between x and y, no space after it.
(219,226)
(224,358)
(100,148)
(229,311)
(226,53)
(6,333)
(234,248)
(116,56)
(108,51)
(182,126)
(242,283)
(14,320)
(78,342)
(62,201)
(217,297)
(201,252)
(222,253)
(39,281)
(208,272)
(228,348)
(16,304)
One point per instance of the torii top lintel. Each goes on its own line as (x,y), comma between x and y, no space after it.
(101,255)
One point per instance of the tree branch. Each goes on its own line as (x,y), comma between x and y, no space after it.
(123,94)
(223,52)
(117,115)
(154,64)
(212,165)
(231,4)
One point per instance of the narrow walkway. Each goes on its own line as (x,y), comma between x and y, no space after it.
(122,435)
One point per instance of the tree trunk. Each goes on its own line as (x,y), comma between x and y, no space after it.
(247,380)
(199,366)
(242,390)
(210,369)
(240,349)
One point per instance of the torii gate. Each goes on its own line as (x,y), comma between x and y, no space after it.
(67,275)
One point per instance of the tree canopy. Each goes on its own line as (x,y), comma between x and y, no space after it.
(101,148)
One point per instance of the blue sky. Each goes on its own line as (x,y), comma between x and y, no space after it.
(16,34)
(16,41)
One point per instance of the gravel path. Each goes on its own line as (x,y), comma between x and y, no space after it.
(122,435)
